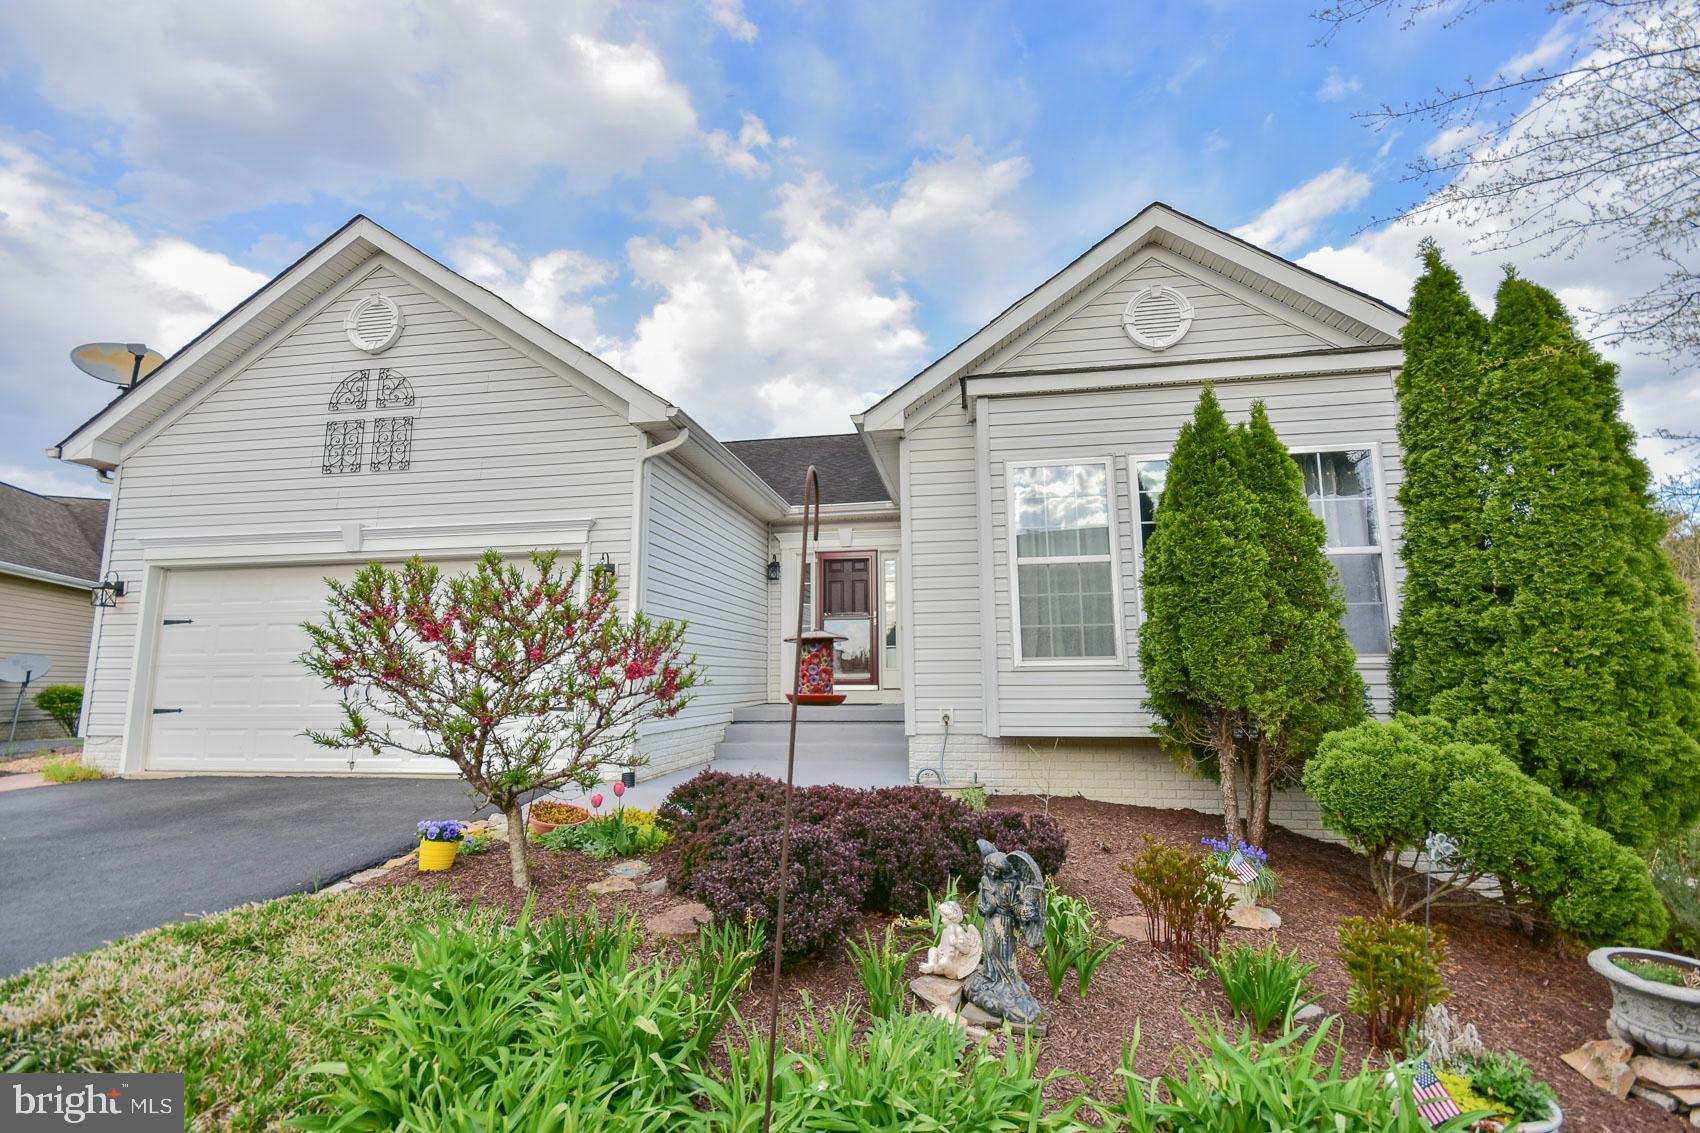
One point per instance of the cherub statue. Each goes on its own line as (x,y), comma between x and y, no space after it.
(1012,899)
(959,947)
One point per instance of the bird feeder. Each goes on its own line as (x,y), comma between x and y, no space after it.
(814,668)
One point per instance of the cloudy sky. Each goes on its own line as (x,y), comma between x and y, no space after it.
(772,214)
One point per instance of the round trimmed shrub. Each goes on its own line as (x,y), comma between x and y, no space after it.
(1038,834)
(823,892)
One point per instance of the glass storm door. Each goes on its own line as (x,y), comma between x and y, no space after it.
(849,604)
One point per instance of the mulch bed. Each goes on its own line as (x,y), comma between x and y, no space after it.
(1537,999)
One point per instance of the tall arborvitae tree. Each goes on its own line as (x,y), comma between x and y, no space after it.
(1202,586)
(1306,684)
(1443,633)
(1592,682)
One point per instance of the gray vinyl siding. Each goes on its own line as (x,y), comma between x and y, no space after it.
(944,572)
(705,562)
(1222,325)
(1105,699)
(55,621)
(496,436)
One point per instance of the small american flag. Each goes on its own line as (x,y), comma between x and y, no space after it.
(1433,1102)
(1243,871)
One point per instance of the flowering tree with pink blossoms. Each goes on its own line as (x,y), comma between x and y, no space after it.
(517,676)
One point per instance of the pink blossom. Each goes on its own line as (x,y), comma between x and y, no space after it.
(633,671)
(619,789)
(595,801)
(535,653)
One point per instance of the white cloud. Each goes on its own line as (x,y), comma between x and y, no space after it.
(50,482)
(1335,86)
(1289,222)
(794,336)
(729,14)
(549,288)
(223,107)
(739,155)
(72,273)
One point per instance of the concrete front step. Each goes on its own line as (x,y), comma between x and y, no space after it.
(816,731)
(775,749)
(819,713)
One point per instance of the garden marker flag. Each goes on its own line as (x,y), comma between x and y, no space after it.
(1244,872)
(1433,1102)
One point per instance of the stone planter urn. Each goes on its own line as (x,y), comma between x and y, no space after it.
(1553,1122)
(1662,1018)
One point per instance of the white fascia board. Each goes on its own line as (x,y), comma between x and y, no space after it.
(890,411)
(1187,372)
(884,463)
(833,513)
(34,574)
(715,463)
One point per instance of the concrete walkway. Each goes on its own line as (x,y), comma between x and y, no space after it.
(86,863)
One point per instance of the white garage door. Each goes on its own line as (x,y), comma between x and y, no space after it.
(229,693)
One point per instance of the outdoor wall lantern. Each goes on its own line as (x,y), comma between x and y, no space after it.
(605,568)
(773,570)
(105,594)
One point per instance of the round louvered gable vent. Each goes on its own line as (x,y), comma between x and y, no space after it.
(374,324)
(1157,317)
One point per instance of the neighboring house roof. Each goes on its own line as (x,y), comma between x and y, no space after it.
(54,538)
(1366,318)
(844,469)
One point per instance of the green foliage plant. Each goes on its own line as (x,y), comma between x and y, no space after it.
(509,674)
(1541,612)
(1675,866)
(69,769)
(1232,1083)
(64,703)
(1654,971)
(1395,969)
(1245,661)
(1386,786)
(973,796)
(1186,907)
(1506,1080)
(1263,985)
(607,836)
(881,964)
(1073,941)
(474,844)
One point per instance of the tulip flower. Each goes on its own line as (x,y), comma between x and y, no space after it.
(619,789)
(595,801)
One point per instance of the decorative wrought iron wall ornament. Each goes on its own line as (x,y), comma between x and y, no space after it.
(394,391)
(392,444)
(343,442)
(350,393)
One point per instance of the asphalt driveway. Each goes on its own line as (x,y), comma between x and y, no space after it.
(85,863)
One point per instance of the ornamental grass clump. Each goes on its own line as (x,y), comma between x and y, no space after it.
(880,964)
(1186,907)
(511,674)
(1395,970)
(1263,985)
(1073,941)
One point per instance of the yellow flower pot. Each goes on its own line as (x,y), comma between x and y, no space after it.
(437,855)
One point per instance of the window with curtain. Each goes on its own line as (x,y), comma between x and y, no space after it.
(1063,548)
(1341,488)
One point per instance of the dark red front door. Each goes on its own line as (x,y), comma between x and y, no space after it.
(849,604)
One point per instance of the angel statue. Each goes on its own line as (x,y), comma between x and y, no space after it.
(958,950)
(1012,899)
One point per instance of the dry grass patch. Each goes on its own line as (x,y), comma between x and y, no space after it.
(239,1002)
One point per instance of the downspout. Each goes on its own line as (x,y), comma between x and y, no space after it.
(638,504)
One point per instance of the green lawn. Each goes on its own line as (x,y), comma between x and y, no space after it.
(239,1002)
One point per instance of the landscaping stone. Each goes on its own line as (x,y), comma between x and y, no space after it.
(938,991)
(612,885)
(975,1017)
(1605,1063)
(1254,917)
(1309,1013)
(972,1031)
(631,868)
(1665,1073)
(656,887)
(1134,926)
(1653,1096)
(679,922)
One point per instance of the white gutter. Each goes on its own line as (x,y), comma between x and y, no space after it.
(50,576)
(639,481)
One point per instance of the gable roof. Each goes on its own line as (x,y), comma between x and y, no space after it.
(1357,313)
(99,441)
(845,470)
(51,538)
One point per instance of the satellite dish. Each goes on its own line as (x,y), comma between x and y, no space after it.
(121,363)
(27,666)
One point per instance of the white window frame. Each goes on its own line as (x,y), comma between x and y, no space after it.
(1108,464)
(1134,460)
(1384,534)
(1383,530)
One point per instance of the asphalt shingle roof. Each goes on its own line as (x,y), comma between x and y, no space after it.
(845,470)
(62,534)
